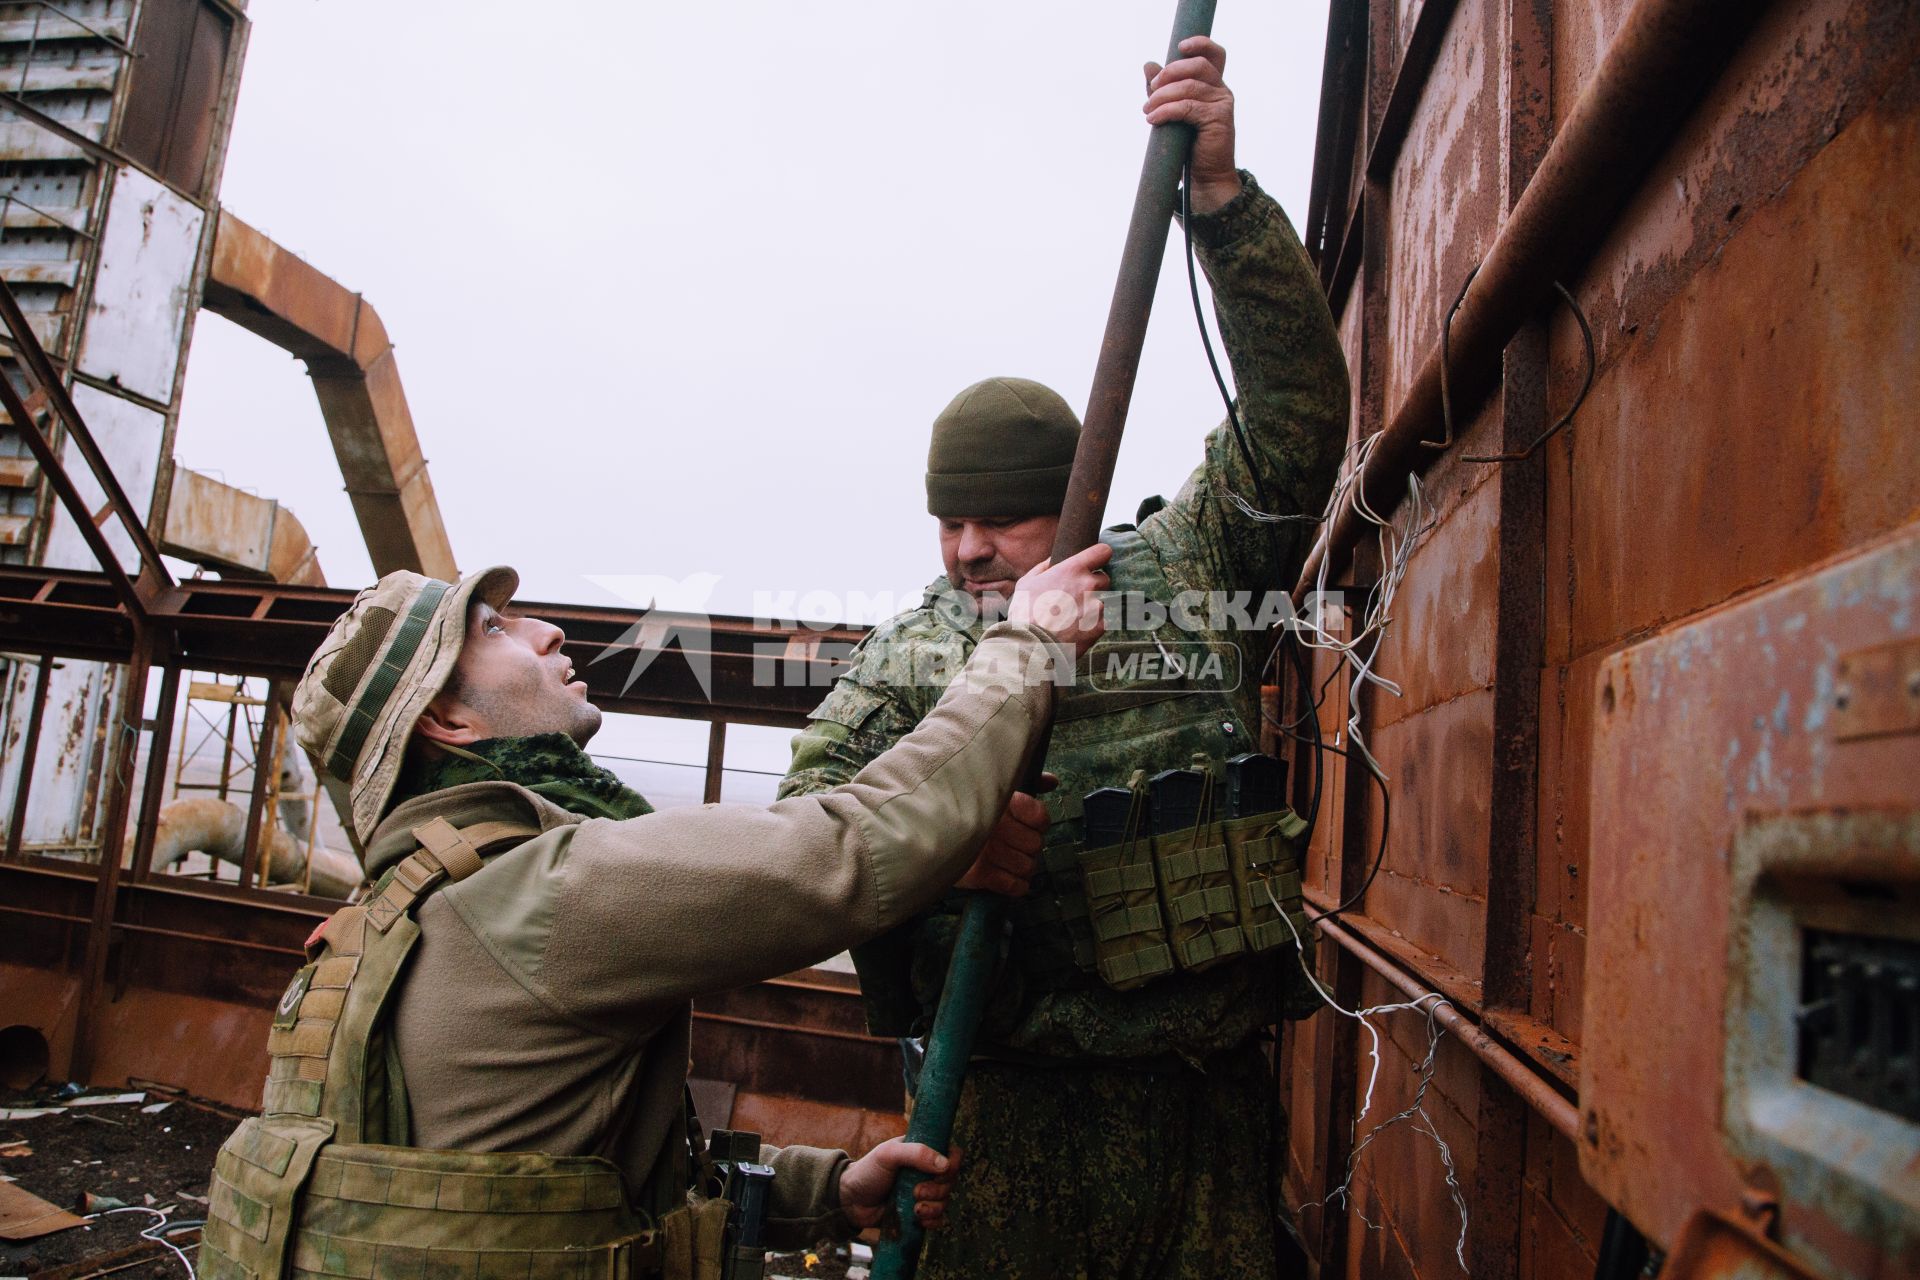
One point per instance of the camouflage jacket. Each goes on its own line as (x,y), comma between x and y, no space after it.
(1293,405)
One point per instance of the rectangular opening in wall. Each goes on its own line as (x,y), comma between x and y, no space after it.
(1859,1009)
(174,98)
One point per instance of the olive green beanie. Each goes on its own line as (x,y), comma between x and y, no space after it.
(1004,447)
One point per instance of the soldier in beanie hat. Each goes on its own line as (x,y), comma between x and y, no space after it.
(1116,1112)
(483,1067)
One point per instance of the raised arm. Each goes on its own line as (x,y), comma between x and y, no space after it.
(1287,364)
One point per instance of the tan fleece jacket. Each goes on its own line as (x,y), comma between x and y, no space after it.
(546,1007)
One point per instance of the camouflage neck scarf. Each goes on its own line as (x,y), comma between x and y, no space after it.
(550,765)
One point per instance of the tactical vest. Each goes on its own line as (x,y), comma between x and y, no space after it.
(323,1184)
(1145,908)
(1132,912)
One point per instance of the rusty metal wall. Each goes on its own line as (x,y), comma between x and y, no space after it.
(1755,306)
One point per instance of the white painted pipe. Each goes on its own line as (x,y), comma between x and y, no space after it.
(218,828)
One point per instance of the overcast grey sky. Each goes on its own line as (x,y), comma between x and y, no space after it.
(679,290)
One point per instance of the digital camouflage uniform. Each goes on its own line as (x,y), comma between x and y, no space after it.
(1124,1133)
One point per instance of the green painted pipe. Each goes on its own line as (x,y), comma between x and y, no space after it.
(970,971)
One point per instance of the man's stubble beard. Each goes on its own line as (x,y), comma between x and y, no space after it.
(539,708)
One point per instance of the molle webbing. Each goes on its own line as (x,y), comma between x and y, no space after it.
(322,1185)
(325,1024)
(1183,900)
(375,1212)
(1123,898)
(1267,879)
(1202,917)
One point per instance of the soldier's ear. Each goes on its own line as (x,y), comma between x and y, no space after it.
(450,722)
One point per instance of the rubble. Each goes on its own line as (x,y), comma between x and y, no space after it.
(117,1190)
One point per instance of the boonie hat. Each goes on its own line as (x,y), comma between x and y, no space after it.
(385,659)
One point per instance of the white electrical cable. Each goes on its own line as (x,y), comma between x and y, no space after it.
(149,1232)
(1396,554)
(1428,1003)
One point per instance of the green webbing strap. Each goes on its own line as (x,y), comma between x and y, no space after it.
(1127,921)
(386,678)
(1134,877)
(1217,900)
(1195,862)
(1263,850)
(1144,963)
(1273,932)
(1209,946)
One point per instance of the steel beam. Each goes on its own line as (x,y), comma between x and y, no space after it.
(29,749)
(756,673)
(716,761)
(119,756)
(49,396)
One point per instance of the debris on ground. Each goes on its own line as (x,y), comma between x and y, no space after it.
(144,1176)
(823,1262)
(25,1216)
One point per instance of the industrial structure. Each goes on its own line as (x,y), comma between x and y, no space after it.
(1630,295)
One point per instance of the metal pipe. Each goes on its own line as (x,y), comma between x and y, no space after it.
(1127,315)
(246,944)
(1531,1087)
(1658,67)
(956,1020)
(218,828)
(761,1024)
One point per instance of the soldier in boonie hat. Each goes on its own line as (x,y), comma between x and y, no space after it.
(485,1060)
(386,658)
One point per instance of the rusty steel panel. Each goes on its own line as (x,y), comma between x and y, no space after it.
(137,315)
(1766,403)
(1446,203)
(1432,884)
(194,973)
(1441,645)
(1806,73)
(62,799)
(209,1048)
(1747,264)
(1701,730)
(1561,1217)
(784,1121)
(1582,32)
